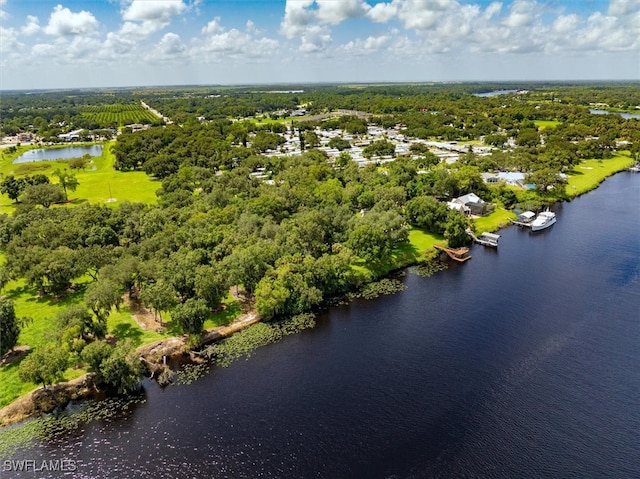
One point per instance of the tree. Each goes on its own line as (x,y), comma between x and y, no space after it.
(43,194)
(9,325)
(122,369)
(339,143)
(211,284)
(101,297)
(94,355)
(158,296)
(247,266)
(455,229)
(191,315)
(44,366)
(547,179)
(13,187)
(67,181)
(77,322)
(271,298)
(311,138)
(369,242)
(428,213)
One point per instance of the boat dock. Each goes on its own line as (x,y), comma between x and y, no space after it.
(524,219)
(485,239)
(520,223)
(456,254)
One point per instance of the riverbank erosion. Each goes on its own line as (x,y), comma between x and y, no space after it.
(156,358)
(46,400)
(158,355)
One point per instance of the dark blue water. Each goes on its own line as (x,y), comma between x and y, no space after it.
(47,154)
(521,363)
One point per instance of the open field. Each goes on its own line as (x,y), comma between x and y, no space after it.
(97,183)
(590,173)
(544,124)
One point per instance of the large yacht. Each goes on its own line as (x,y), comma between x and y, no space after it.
(543,220)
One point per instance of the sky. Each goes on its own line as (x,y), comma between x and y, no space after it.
(118,43)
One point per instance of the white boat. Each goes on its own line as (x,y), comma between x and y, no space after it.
(543,220)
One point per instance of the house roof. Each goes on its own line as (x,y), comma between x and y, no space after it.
(470,198)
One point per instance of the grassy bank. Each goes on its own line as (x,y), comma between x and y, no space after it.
(98,183)
(590,173)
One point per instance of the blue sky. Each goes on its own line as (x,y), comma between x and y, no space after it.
(102,43)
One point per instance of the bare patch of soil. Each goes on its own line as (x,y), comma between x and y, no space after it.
(144,317)
(16,354)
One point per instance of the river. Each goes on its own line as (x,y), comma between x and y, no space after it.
(522,362)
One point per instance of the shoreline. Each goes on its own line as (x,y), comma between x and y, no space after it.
(155,355)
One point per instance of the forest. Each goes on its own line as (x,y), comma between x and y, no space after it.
(290,231)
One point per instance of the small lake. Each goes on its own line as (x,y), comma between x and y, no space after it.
(494,93)
(626,116)
(47,154)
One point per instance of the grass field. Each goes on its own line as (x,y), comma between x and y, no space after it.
(97,183)
(590,173)
(544,124)
(493,222)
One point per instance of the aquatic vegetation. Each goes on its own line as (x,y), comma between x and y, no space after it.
(429,268)
(71,420)
(244,342)
(379,288)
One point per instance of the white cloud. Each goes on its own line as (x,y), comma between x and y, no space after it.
(213,27)
(145,17)
(367,46)
(493,9)
(159,11)
(9,41)
(3,15)
(334,12)
(424,14)
(64,22)
(296,17)
(315,38)
(383,12)
(31,27)
(566,23)
(219,43)
(621,8)
(522,14)
(250,27)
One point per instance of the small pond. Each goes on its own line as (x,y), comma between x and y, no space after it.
(494,93)
(626,116)
(47,154)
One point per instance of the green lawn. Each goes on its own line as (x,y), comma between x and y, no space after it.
(34,334)
(97,183)
(232,309)
(544,124)
(493,222)
(590,173)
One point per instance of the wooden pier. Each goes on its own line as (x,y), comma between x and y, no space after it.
(485,239)
(520,223)
(456,254)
